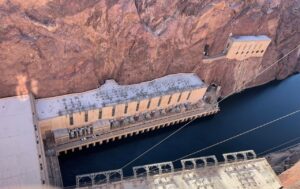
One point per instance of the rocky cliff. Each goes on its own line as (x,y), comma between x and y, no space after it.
(54,47)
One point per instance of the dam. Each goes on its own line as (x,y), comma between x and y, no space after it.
(113,112)
(68,123)
(240,170)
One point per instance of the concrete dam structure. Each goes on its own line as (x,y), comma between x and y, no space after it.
(111,112)
(240,170)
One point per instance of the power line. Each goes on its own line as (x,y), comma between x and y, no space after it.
(221,142)
(179,129)
(263,71)
(240,134)
(157,144)
(283,144)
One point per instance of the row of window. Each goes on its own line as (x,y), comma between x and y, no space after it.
(86,118)
(253,52)
(250,48)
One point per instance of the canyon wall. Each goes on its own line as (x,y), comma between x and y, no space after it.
(58,47)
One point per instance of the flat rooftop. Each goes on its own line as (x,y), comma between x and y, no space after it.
(248,174)
(19,163)
(251,38)
(112,93)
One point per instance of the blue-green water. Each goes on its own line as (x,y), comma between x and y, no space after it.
(238,113)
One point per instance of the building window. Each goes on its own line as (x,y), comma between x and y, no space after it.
(159,101)
(113,111)
(179,97)
(71,119)
(86,116)
(149,102)
(126,109)
(170,98)
(188,95)
(137,106)
(100,114)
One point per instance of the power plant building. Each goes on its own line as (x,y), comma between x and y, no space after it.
(113,102)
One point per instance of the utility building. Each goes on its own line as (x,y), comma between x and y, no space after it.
(243,47)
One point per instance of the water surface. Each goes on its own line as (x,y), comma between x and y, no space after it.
(239,113)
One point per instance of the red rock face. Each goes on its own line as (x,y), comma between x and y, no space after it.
(57,47)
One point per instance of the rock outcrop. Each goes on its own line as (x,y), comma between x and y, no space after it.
(286,163)
(290,179)
(53,47)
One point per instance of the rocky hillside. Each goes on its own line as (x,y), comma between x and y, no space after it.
(54,47)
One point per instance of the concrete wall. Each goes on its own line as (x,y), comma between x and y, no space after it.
(132,108)
(154,103)
(120,110)
(107,112)
(174,99)
(192,96)
(164,101)
(241,50)
(196,95)
(143,105)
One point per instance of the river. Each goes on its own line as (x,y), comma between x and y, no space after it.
(239,113)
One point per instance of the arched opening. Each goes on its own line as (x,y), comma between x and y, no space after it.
(230,158)
(166,168)
(115,176)
(200,163)
(189,165)
(153,170)
(250,155)
(100,179)
(240,157)
(85,181)
(211,161)
(140,172)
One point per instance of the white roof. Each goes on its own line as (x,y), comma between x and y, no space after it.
(112,93)
(255,173)
(19,164)
(251,38)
